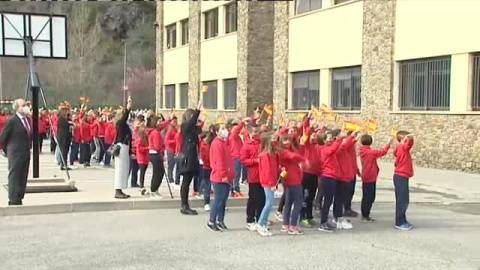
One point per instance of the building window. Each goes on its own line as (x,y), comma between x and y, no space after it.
(184,32)
(211,23)
(346,88)
(341,1)
(183,95)
(210,96)
(302,6)
(230,94)
(305,89)
(171,36)
(170,96)
(231,17)
(425,84)
(476,83)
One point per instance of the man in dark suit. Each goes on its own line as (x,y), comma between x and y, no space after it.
(17,142)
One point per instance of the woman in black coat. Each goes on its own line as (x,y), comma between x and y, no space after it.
(188,156)
(64,136)
(122,161)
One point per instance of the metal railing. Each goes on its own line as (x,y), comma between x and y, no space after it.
(425,84)
(346,88)
(476,83)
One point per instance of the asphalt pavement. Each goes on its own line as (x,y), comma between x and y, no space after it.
(445,237)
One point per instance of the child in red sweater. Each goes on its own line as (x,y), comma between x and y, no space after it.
(223,173)
(85,140)
(290,159)
(403,171)
(141,153)
(268,172)
(368,158)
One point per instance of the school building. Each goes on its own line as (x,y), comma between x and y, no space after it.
(413,64)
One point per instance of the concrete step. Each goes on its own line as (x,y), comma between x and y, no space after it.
(40,185)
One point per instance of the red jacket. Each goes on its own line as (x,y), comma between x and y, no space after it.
(234,140)
(368,157)
(269,169)
(347,170)
(249,159)
(205,154)
(42,124)
(311,152)
(403,159)
(178,142)
(142,152)
(155,141)
(291,160)
(94,129)
(110,133)
(134,139)
(330,166)
(54,123)
(77,137)
(101,127)
(85,132)
(221,161)
(170,139)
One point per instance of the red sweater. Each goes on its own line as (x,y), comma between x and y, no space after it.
(368,158)
(142,152)
(235,141)
(249,159)
(221,161)
(205,154)
(403,159)
(178,142)
(155,141)
(110,133)
(101,128)
(170,139)
(94,129)
(42,124)
(347,170)
(134,139)
(330,166)
(85,132)
(311,153)
(268,169)
(291,160)
(77,137)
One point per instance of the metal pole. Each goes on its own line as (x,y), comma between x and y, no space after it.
(124,71)
(34,87)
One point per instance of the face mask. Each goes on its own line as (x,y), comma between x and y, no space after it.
(256,137)
(26,110)
(224,133)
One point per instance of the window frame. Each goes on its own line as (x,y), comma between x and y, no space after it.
(228,13)
(338,2)
(181,89)
(314,98)
(309,6)
(169,38)
(185,38)
(422,75)
(350,106)
(166,102)
(208,16)
(206,98)
(226,96)
(475,88)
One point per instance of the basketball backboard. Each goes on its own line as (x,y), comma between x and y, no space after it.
(48,32)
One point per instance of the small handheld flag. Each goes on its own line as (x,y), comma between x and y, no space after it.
(205,89)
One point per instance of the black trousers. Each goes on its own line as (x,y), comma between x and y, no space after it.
(101,142)
(143,170)
(170,166)
(53,143)
(351,192)
(341,195)
(281,204)
(255,203)
(64,147)
(369,191)
(85,154)
(328,187)
(158,172)
(320,194)
(41,137)
(185,188)
(309,184)
(17,176)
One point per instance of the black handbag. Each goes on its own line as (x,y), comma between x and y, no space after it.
(114,150)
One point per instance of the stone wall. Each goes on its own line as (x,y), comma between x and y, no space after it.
(159,57)
(280,54)
(242,55)
(194,36)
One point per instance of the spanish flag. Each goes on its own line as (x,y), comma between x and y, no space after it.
(220,120)
(394,131)
(268,109)
(371,125)
(324,108)
(338,119)
(331,116)
(316,112)
(350,126)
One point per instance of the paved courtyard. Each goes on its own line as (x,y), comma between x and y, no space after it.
(445,237)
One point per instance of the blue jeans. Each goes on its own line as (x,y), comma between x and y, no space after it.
(108,158)
(133,171)
(217,211)
(402,199)
(74,152)
(197,180)
(238,174)
(294,196)
(268,206)
(207,185)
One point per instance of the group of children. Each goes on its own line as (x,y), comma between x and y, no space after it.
(310,161)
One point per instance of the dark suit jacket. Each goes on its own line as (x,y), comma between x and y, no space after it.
(64,135)
(189,147)
(124,134)
(15,138)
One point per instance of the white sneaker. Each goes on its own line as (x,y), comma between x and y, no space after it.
(343,223)
(263,231)
(252,227)
(207,207)
(158,195)
(279,216)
